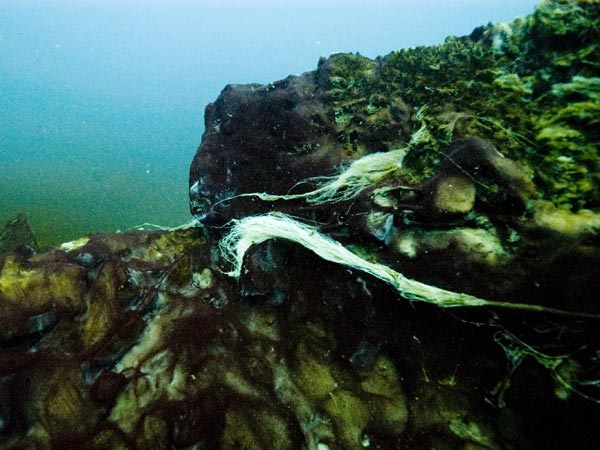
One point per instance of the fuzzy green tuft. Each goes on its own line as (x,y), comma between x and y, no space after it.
(530,87)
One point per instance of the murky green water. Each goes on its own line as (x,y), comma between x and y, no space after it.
(78,166)
(79,200)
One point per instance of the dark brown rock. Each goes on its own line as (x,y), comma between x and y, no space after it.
(275,138)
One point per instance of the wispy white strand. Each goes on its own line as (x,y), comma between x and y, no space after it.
(256,229)
(362,173)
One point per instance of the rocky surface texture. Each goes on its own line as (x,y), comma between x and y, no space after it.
(17,237)
(471,166)
(503,206)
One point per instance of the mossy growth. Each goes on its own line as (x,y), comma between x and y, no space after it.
(531,87)
(570,135)
(257,429)
(367,118)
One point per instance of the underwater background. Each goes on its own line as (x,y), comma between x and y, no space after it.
(102,102)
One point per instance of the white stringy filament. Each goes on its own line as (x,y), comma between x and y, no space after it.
(254,230)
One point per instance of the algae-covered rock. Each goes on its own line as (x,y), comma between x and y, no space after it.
(139,354)
(535,99)
(425,278)
(17,237)
(442,153)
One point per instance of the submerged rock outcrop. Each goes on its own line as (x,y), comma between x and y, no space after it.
(390,254)
(17,237)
